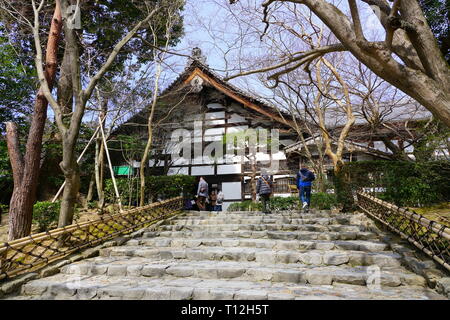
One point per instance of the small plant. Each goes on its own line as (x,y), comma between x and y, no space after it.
(323,200)
(284,203)
(246,205)
(3,210)
(45,214)
(319,200)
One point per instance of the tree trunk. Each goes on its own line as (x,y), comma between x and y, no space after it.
(143,164)
(90,193)
(144,159)
(26,172)
(99,172)
(71,172)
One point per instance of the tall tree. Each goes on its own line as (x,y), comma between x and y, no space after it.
(172,20)
(409,57)
(26,168)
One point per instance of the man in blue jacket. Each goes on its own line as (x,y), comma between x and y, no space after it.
(304,182)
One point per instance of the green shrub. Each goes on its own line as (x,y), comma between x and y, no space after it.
(157,187)
(284,203)
(405,183)
(45,214)
(323,200)
(246,205)
(319,200)
(4,208)
(170,186)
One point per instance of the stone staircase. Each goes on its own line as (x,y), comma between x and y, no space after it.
(241,255)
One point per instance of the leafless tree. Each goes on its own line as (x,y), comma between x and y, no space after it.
(69,125)
(408,57)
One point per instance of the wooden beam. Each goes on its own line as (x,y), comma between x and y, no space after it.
(246,103)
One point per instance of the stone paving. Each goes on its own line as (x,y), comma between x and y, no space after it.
(203,255)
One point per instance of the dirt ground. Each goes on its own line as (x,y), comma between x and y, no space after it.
(439,213)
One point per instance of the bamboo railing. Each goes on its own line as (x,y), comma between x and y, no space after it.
(36,251)
(429,236)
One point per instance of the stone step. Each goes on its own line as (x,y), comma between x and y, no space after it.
(261,255)
(275,214)
(357,245)
(260,220)
(282,235)
(251,271)
(242,256)
(63,286)
(262,227)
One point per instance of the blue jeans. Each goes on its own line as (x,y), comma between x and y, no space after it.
(305,194)
(217,207)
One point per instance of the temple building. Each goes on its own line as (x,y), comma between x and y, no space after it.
(211,111)
(200,113)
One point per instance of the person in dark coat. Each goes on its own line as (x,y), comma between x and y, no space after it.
(264,190)
(202,193)
(304,183)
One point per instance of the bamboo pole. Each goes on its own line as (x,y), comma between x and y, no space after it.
(110,166)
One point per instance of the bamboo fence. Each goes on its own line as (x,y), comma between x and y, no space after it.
(431,237)
(38,250)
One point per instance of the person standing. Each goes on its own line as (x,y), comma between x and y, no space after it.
(304,183)
(212,200)
(219,201)
(264,190)
(202,193)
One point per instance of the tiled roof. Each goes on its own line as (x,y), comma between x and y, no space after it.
(204,68)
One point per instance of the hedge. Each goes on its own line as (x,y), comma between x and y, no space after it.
(319,200)
(403,183)
(157,187)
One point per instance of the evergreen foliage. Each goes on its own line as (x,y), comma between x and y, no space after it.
(403,183)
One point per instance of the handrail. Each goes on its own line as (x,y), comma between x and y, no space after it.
(429,236)
(38,250)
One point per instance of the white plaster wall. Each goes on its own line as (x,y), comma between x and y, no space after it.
(202,170)
(214,131)
(214,106)
(236,129)
(280,155)
(232,190)
(234,117)
(215,115)
(160,163)
(177,170)
(229,169)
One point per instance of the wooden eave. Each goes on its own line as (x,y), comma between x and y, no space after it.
(198,72)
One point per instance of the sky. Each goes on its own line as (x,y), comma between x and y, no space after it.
(211,26)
